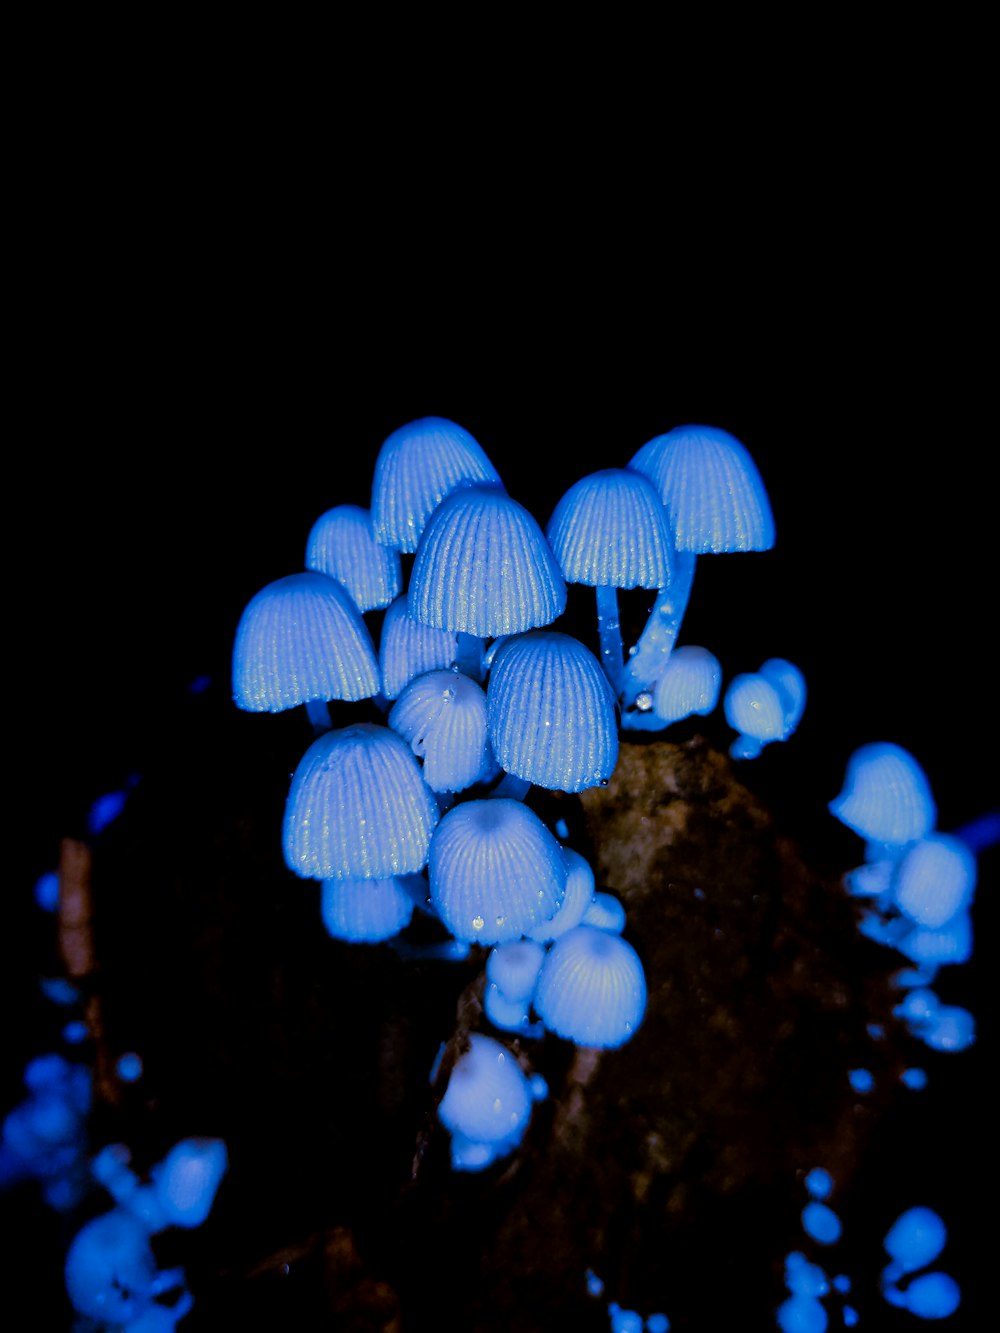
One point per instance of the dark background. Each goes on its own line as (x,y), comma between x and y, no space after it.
(206,360)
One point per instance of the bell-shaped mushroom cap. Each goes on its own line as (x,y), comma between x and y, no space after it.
(513,968)
(916,1238)
(950,943)
(483,567)
(790,683)
(690,683)
(610,530)
(302,638)
(495,871)
(935,880)
(577,898)
(753,706)
(342,545)
(606,912)
(442,716)
(488,1098)
(365,911)
(801,1312)
(711,487)
(417,466)
(358,807)
(188,1178)
(932,1296)
(551,712)
(408,648)
(886,796)
(592,988)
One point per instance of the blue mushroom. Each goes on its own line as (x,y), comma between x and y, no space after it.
(365,911)
(442,717)
(495,871)
(418,465)
(610,531)
(342,545)
(407,648)
(717,502)
(487,1104)
(592,988)
(358,807)
(886,798)
(302,640)
(551,712)
(690,684)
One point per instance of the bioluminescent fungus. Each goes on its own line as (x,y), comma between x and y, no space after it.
(365,911)
(487,1104)
(803,1278)
(577,898)
(513,968)
(417,466)
(606,912)
(592,988)
(187,1180)
(717,502)
(408,649)
(801,1314)
(45,1136)
(551,712)
(952,1028)
(610,531)
(821,1223)
(914,1078)
(111,1274)
(932,1296)
(819,1183)
(442,716)
(689,684)
(341,544)
(495,871)
(861,1080)
(886,797)
(301,640)
(915,1239)
(358,807)
(484,568)
(624,1321)
(129,1067)
(935,880)
(754,708)
(790,683)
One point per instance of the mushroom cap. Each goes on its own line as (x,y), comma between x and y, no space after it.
(488,1099)
(442,717)
(690,683)
(408,648)
(110,1269)
(188,1178)
(495,871)
(886,796)
(302,638)
(933,1296)
(712,489)
(513,968)
(577,898)
(358,807)
(365,911)
(753,706)
(592,988)
(916,1238)
(935,880)
(483,567)
(342,545)
(610,530)
(551,712)
(417,466)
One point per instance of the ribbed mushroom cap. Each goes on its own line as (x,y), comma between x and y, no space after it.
(442,717)
(711,487)
(753,706)
(342,545)
(513,967)
(365,911)
(495,871)
(302,638)
(611,530)
(592,988)
(417,466)
(577,897)
(690,684)
(483,567)
(488,1098)
(936,878)
(358,807)
(886,796)
(408,648)
(790,683)
(551,712)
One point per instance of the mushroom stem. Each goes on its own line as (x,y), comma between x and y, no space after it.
(469,656)
(650,655)
(610,630)
(318,712)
